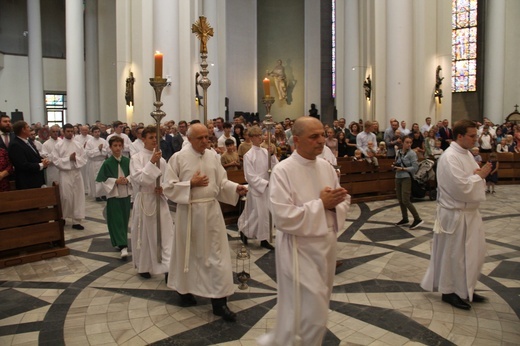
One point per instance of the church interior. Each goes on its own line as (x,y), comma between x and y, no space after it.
(353,59)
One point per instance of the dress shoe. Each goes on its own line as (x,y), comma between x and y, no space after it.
(145,275)
(477,298)
(456,301)
(98,199)
(225,313)
(402,222)
(243,238)
(166,278)
(78,227)
(265,244)
(187,300)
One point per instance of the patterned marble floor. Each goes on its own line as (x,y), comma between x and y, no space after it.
(93,298)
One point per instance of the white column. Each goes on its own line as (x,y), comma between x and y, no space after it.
(312,58)
(91,61)
(75,62)
(216,91)
(399,69)
(494,65)
(36,95)
(354,72)
(166,40)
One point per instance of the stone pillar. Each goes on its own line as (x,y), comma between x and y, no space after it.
(75,62)
(399,69)
(36,94)
(166,40)
(91,61)
(494,72)
(354,72)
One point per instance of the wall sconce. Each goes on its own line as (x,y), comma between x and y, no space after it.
(438,83)
(367,85)
(198,98)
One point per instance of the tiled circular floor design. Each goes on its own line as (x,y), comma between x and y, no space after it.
(93,298)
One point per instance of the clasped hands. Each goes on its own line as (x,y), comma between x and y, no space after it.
(484,171)
(332,197)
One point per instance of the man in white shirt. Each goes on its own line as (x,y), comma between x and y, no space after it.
(226,135)
(364,137)
(118,130)
(218,129)
(404,131)
(427,126)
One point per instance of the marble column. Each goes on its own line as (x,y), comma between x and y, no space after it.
(399,69)
(494,71)
(166,40)
(75,62)
(36,94)
(212,9)
(354,72)
(91,61)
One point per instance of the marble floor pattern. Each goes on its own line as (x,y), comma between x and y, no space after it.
(93,298)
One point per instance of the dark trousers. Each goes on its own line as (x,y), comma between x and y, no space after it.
(403,188)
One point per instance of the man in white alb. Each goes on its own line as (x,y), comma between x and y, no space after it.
(309,207)
(118,130)
(96,149)
(52,174)
(69,156)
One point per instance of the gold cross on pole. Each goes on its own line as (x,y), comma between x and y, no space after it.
(204,31)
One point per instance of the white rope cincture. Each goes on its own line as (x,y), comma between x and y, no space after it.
(296,286)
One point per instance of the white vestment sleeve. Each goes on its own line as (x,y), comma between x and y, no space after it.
(81,158)
(107,188)
(304,220)
(462,187)
(62,163)
(146,175)
(174,189)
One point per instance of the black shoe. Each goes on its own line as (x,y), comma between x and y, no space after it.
(225,313)
(243,238)
(78,227)
(416,223)
(265,244)
(145,275)
(98,199)
(402,222)
(477,298)
(187,300)
(456,301)
(104,198)
(166,278)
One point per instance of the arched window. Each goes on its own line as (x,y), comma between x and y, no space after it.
(464,45)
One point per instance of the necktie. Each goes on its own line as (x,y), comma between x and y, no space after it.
(33,147)
(6,140)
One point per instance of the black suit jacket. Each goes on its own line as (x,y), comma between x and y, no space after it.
(177,142)
(444,137)
(26,164)
(167,147)
(2,143)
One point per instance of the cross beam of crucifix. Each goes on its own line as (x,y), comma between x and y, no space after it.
(204,31)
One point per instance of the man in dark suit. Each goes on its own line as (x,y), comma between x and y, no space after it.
(6,134)
(28,163)
(166,144)
(179,137)
(446,135)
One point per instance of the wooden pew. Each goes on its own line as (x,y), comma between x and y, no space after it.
(31,227)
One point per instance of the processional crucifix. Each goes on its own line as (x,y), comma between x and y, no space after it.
(203,31)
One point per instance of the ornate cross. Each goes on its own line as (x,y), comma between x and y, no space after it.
(204,31)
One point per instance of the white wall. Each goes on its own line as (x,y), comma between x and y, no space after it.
(512,54)
(14,82)
(241,79)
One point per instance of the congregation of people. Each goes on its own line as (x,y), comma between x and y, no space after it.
(121,164)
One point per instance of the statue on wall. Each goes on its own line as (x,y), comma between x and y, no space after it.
(129,93)
(280,79)
(438,83)
(367,85)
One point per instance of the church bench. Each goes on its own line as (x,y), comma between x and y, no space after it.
(31,227)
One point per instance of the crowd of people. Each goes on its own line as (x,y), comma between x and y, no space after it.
(136,173)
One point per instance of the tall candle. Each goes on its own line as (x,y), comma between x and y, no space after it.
(267,87)
(158,64)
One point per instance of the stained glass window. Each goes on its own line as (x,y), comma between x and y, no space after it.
(464,45)
(334,48)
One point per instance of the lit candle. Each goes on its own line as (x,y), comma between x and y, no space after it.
(267,87)
(158,65)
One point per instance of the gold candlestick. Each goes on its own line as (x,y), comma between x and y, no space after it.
(158,85)
(203,31)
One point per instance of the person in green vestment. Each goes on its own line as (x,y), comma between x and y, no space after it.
(113,179)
